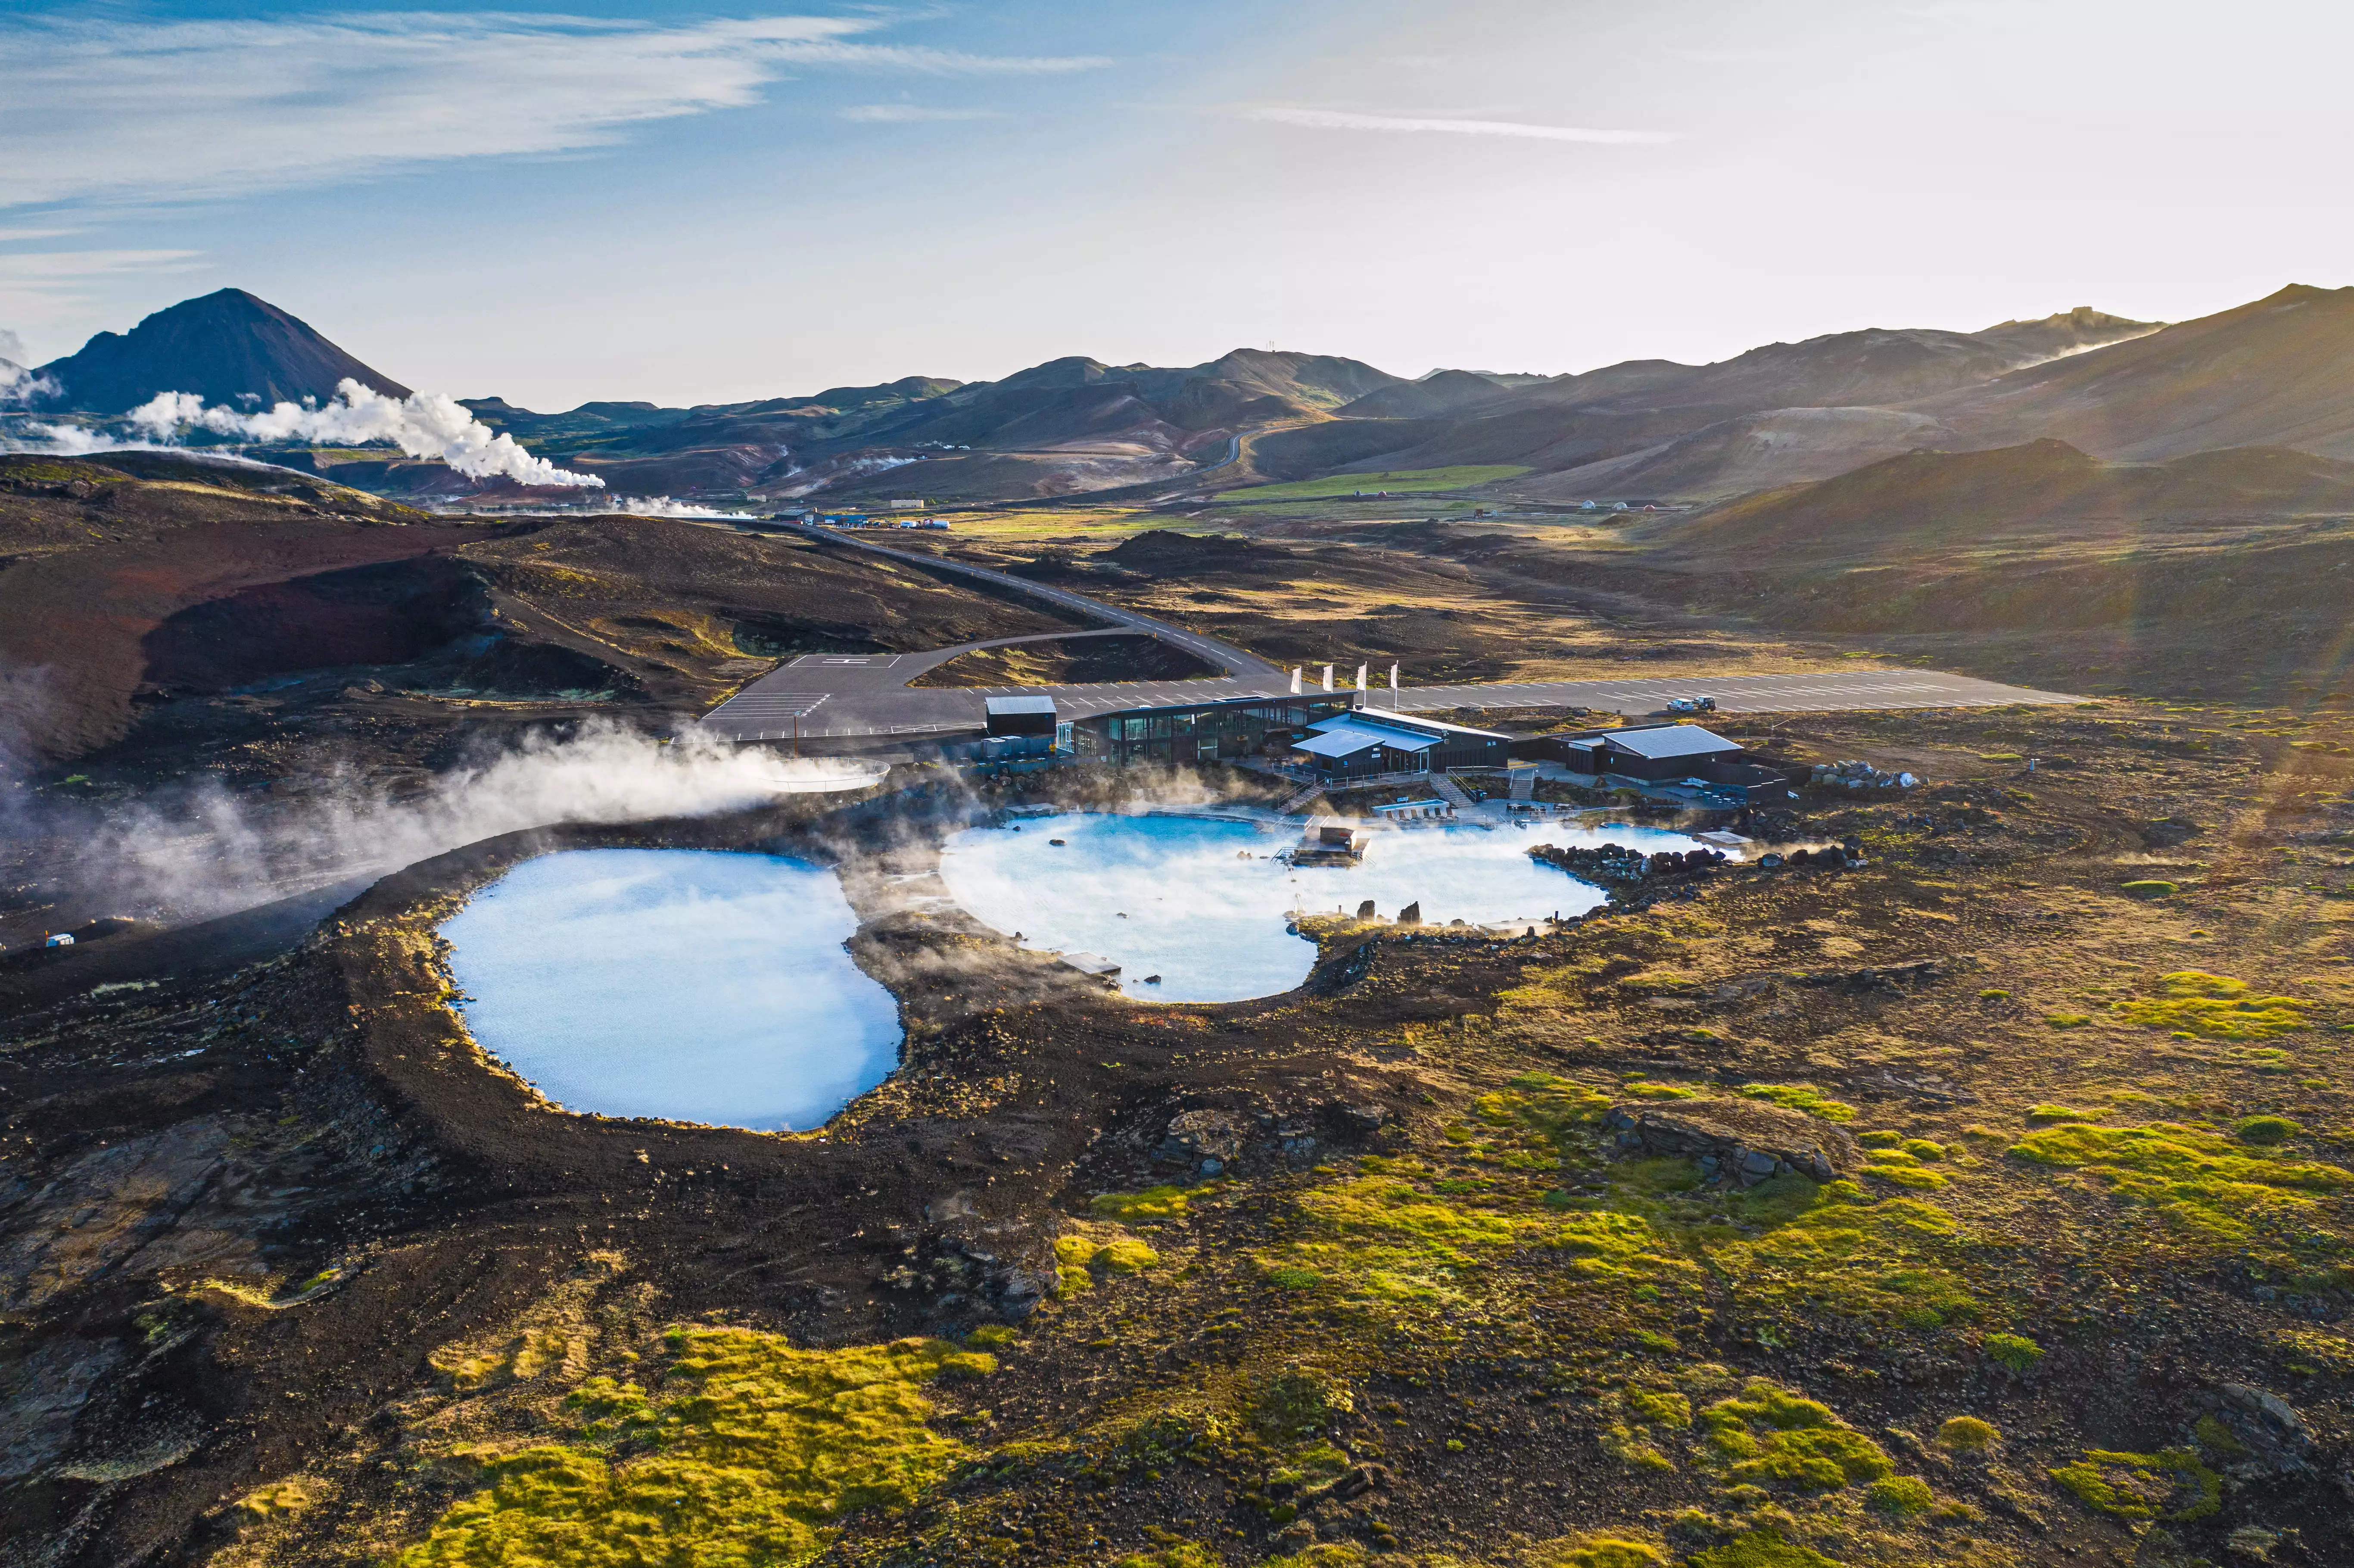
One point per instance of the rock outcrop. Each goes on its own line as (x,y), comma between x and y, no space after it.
(1741,1142)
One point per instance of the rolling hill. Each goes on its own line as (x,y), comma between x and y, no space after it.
(1610,430)
(2277,372)
(1921,502)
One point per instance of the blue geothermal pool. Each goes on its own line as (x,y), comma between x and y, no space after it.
(1199,902)
(687,984)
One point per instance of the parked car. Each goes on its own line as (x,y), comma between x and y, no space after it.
(1691,705)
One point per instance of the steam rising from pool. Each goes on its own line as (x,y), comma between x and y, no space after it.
(687,984)
(1199,902)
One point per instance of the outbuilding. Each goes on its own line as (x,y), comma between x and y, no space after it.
(1021,715)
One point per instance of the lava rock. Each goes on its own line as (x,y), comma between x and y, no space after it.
(1746,1141)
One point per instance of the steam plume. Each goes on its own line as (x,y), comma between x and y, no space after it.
(205,852)
(424,425)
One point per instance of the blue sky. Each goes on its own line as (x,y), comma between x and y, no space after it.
(602,199)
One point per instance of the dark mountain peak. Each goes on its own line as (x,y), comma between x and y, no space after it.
(1440,393)
(227,347)
(1071,370)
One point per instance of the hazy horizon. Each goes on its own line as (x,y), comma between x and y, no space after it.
(557,204)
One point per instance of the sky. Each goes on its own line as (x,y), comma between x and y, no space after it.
(606,199)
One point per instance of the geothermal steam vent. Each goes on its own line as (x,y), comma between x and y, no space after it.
(688,984)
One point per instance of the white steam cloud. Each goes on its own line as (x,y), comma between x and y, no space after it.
(423,425)
(668,506)
(18,385)
(206,852)
(1342,120)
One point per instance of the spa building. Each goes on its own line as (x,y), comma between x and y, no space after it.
(1201,732)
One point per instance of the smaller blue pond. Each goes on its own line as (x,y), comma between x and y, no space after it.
(687,984)
(1201,903)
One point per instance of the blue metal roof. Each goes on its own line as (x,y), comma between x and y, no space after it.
(1670,740)
(1344,735)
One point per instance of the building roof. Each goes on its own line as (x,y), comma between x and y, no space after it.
(1400,727)
(1248,699)
(1415,720)
(1343,735)
(1669,740)
(1020,704)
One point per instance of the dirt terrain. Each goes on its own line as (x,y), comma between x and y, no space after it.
(1983,1203)
(1418,594)
(1419,1262)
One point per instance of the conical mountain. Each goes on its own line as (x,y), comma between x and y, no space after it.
(227,347)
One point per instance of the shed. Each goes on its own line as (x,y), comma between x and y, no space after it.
(1021,715)
(1652,753)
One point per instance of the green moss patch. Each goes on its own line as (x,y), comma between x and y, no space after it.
(1760,1549)
(1899,1496)
(2205,1183)
(1769,1436)
(1152,1203)
(2149,887)
(1599,1551)
(1383,1239)
(2143,1486)
(2016,1351)
(1802,1096)
(2265,1130)
(1897,1260)
(756,1451)
(1968,1435)
(2215,1007)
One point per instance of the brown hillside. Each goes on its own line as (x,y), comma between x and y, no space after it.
(1930,500)
(2279,371)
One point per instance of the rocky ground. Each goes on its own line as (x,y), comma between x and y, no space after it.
(1983,1203)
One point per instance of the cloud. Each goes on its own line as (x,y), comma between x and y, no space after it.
(1730,57)
(107,111)
(38,287)
(1342,120)
(910,113)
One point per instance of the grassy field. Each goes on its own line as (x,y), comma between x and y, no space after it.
(1406,481)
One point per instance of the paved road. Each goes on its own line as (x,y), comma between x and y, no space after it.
(866,695)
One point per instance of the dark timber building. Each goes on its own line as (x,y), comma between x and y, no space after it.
(1368,742)
(1201,732)
(1656,754)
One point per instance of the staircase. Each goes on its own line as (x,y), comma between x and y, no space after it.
(1298,803)
(1446,789)
(1524,783)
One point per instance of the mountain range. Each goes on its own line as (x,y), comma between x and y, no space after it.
(2278,372)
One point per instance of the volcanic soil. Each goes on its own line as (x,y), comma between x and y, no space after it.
(1381,1267)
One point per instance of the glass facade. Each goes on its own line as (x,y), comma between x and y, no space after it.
(1200,732)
